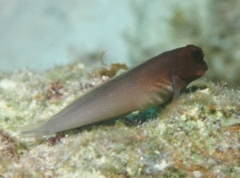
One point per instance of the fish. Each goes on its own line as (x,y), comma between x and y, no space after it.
(154,82)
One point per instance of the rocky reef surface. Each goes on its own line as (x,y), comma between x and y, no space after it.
(197,136)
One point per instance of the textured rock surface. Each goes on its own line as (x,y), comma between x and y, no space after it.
(199,135)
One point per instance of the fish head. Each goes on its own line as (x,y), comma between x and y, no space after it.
(189,63)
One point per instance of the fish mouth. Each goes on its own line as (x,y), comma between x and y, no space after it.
(200,73)
(203,69)
(204,66)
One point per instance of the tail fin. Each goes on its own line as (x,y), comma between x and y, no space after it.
(34,130)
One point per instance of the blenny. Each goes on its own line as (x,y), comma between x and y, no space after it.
(154,82)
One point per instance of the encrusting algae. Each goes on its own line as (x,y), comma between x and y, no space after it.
(197,136)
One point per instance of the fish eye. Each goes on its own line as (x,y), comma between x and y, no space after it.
(197,54)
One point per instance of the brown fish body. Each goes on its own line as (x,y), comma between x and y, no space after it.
(152,83)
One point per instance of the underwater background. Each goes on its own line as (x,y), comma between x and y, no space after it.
(39,35)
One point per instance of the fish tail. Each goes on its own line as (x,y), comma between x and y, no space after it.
(34,130)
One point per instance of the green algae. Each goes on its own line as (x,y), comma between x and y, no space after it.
(198,135)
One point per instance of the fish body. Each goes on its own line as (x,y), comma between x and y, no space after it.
(152,83)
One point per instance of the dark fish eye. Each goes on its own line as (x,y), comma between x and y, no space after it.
(197,54)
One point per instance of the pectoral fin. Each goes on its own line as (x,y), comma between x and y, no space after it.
(178,85)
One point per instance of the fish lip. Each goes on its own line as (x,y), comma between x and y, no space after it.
(206,67)
(199,74)
(203,70)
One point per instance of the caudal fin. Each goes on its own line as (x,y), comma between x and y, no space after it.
(34,130)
